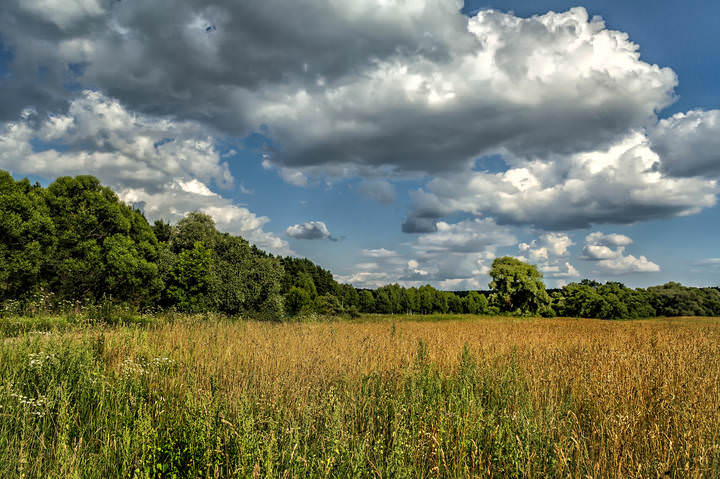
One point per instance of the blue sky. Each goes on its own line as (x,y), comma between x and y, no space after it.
(389,141)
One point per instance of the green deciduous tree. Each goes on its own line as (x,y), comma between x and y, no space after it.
(612,300)
(192,279)
(328,304)
(518,287)
(475,303)
(194,227)
(27,237)
(128,274)
(297,301)
(104,247)
(367,301)
(304,281)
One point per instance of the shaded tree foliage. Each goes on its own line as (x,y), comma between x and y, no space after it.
(612,300)
(475,303)
(76,239)
(297,301)
(27,237)
(674,299)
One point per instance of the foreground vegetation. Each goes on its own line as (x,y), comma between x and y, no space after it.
(199,396)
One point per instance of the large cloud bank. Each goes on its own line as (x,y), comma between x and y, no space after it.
(140,92)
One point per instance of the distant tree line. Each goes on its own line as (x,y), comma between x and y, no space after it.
(76,241)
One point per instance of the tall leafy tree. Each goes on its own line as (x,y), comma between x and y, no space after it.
(192,279)
(475,303)
(328,304)
(426,299)
(163,231)
(297,301)
(304,281)
(367,301)
(104,247)
(518,287)
(27,237)
(240,278)
(194,227)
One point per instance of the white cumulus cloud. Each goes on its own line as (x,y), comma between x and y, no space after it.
(621,184)
(161,165)
(549,252)
(608,253)
(312,230)
(379,253)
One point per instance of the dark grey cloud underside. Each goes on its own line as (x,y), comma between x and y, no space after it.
(148,56)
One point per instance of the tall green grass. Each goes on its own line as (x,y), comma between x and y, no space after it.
(64,414)
(124,402)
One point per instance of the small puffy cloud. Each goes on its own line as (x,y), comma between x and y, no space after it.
(312,230)
(600,252)
(628,264)
(414,272)
(379,190)
(292,176)
(562,270)
(600,246)
(689,143)
(608,253)
(546,246)
(708,262)
(611,240)
(556,243)
(379,253)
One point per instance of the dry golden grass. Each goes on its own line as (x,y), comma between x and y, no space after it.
(616,399)
(639,389)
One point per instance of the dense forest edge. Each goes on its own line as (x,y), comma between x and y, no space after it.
(75,245)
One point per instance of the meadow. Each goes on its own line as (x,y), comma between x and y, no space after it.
(380,396)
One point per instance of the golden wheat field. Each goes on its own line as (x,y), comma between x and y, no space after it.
(388,397)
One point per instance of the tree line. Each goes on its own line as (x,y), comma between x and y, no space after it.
(75,241)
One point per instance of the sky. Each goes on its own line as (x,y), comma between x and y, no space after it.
(408,141)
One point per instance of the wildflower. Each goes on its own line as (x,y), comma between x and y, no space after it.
(133,368)
(162,362)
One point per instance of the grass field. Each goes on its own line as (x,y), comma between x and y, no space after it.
(379,397)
